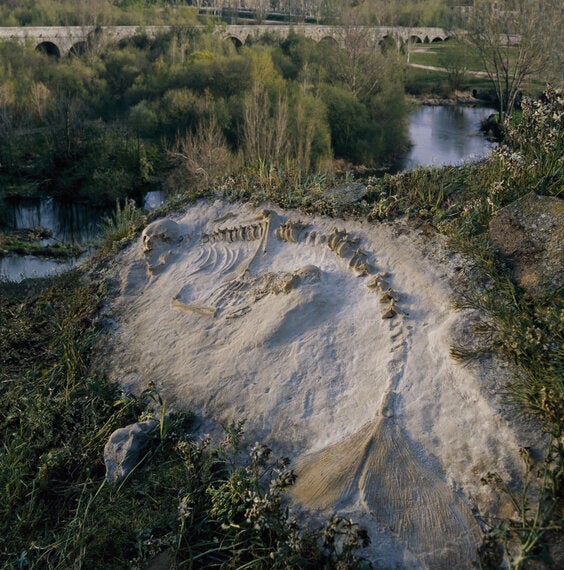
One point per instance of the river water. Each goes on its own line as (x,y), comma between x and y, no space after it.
(445,134)
(440,135)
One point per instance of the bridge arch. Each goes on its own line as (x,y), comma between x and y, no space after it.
(236,41)
(59,41)
(79,48)
(387,43)
(48,48)
(329,40)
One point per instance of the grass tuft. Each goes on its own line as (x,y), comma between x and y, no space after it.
(122,225)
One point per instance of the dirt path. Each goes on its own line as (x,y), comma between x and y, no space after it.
(444,70)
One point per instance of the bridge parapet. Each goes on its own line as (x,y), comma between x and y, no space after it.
(242,33)
(61,40)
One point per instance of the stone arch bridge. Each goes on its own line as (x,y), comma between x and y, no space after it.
(61,41)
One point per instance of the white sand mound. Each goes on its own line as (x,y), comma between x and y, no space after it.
(251,316)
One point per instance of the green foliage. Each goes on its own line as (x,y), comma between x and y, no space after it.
(122,225)
(243,511)
(539,138)
(461,200)
(401,13)
(491,30)
(14,244)
(99,126)
(94,13)
(54,416)
(349,123)
(519,540)
(288,186)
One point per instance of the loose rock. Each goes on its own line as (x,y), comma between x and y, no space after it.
(529,234)
(124,448)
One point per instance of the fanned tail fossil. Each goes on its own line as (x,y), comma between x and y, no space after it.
(378,466)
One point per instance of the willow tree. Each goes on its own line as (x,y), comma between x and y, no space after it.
(514,39)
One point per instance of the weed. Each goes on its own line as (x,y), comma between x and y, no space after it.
(521,537)
(246,514)
(121,226)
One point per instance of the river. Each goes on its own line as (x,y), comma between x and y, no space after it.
(445,134)
(440,135)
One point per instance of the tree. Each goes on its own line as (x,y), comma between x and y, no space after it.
(454,61)
(199,157)
(361,64)
(513,39)
(264,129)
(265,126)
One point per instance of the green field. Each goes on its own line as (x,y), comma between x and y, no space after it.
(440,53)
(454,57)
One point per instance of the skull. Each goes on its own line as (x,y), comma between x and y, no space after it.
(160,232)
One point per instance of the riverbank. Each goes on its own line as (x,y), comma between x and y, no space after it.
(37,242)
(462,98)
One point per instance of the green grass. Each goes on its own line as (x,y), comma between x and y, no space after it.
(428,81)
(12,244)
(452,53)
(437,54)
(122,225)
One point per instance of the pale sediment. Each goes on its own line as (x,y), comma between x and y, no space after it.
(332,339)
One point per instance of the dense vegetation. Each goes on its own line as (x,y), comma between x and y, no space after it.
(94,13)
(186,107)
(144,12)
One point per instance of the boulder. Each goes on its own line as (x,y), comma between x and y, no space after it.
(529,235)
(346,193)
(124,448)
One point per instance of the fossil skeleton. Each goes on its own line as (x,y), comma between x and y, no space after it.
(376,466)
(290,231)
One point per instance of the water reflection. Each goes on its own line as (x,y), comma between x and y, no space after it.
(445,135)
(71,223)
(18,267)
